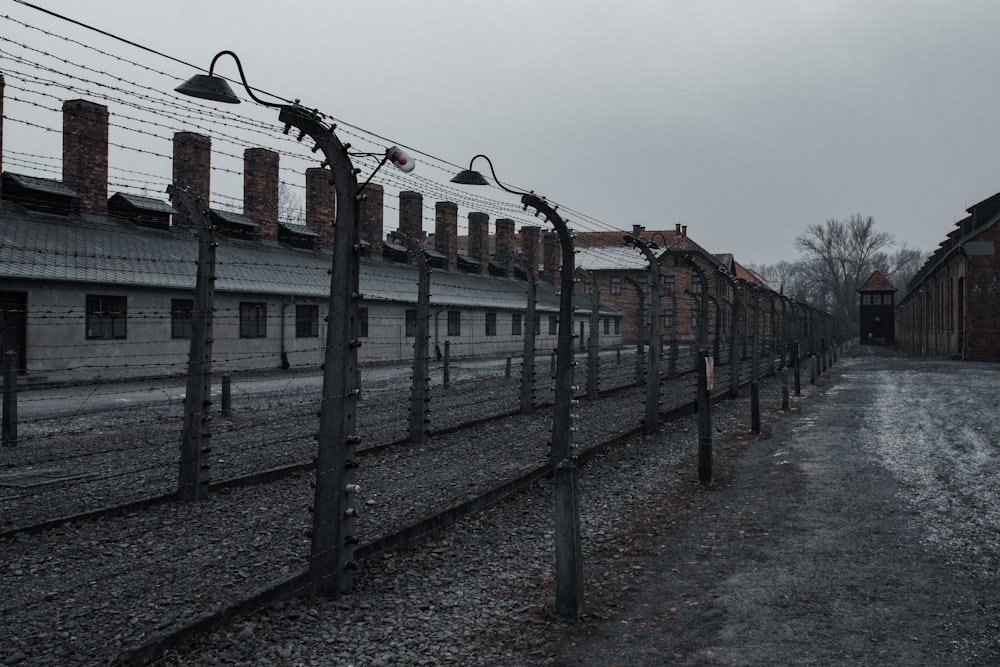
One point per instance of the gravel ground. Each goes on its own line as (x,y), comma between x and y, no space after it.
(855,530)
(862,532)
(481,593)
(87,591)
(102,458)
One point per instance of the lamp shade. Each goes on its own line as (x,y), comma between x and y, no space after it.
(402,161)
(469,177)
(208,87)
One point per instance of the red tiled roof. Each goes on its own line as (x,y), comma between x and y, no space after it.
(877,283)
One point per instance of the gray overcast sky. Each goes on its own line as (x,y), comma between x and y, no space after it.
(745,120)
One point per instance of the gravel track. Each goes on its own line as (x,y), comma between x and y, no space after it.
(86,592)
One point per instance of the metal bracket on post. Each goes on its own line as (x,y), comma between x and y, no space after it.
(651,421)
(593,344)
(703,403)
(420,385)
(331,561)
(755,370)
(569,546)
(528,357)
(642,331)
(196,443)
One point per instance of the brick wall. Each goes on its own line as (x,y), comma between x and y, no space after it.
(479,239)
(321,205)
(551,257)
(446,231)
(85,153)
(530,236)
(192,168)
(261,189)
(983,295)
(504,253)
(371,214)
(411,214)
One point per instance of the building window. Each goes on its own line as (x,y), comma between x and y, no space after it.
(553,325)
(695,283)
(515,324)
(454,323)
(362,323)
(586,287)
(253,320)
(618,325)
(866,299)
(668,318)
(491,324)
(411,323)
(694,318)
(106,317)
(306,321)
(668,284)
(607,325)
(538,325)
(616,285)
(181,314)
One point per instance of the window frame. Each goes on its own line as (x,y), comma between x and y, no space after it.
(253,319)
(362,322)
(106,317)
(181,318)
(306,320)
(454,323)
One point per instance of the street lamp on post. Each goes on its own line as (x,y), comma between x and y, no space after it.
(703,400)
(569,551)
(331,561)
(734,334)
(652,420)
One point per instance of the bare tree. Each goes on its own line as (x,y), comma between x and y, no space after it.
(839,257)
(900,266)
(290,209)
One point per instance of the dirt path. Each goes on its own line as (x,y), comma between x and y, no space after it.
(807,551)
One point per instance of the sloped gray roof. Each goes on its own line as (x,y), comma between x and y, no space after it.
(87,249)
(235,218)
(144,203)
(48,185)
(301,230)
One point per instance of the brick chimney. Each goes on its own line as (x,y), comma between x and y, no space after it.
(530,235)
(411,214)
(85,153)
(637,230)
(551,251)
(505,243)
(446,231)
(192,169)
(479,239)
(371,214)
(261,189)
(321,205)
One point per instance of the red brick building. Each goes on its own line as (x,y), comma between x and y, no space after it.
(952,306)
